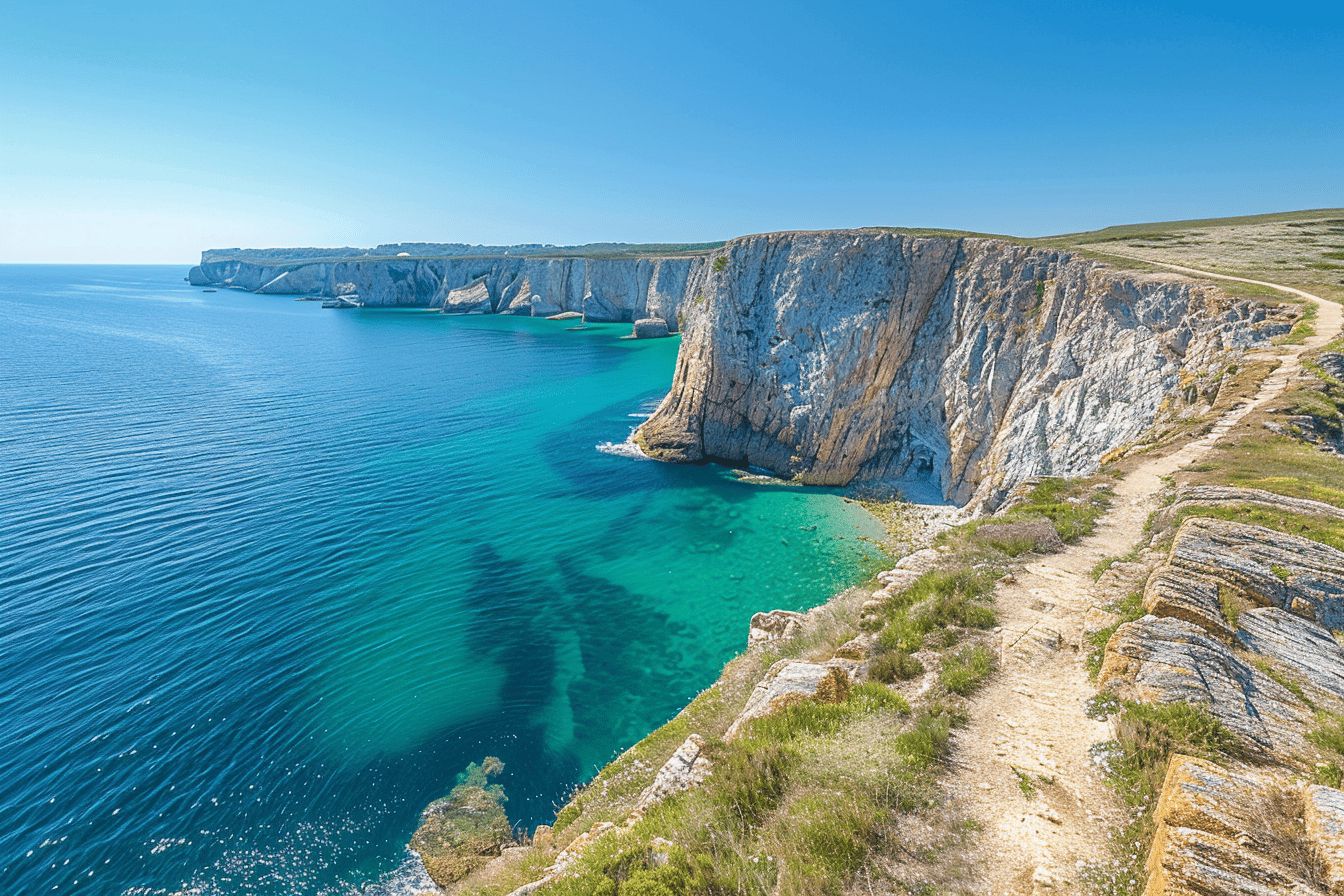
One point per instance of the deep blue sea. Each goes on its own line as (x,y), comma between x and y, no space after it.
(272,575)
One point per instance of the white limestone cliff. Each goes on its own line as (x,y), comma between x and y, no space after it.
(969,364)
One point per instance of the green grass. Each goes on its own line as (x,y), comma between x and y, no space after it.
(966,670)
(939,599)
(1127,608)
(785,810)
(893,666)
(1146,737)
(1024,783)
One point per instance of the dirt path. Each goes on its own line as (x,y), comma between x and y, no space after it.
(1030,720)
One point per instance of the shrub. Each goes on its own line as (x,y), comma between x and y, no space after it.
(966,670)
(897,665)
(720,264)
(834,688)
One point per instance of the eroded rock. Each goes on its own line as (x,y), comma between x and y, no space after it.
(686,767)
(1222,832)
(1265,566)
(774,625)
(650,328)
(1166,660)
(466,829)
(1303,649)
(786,678)
(471,299)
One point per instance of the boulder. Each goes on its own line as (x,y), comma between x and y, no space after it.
(650,328)
(774,625)
(785,679)
(1220,831)
(565,315)
(1166,660)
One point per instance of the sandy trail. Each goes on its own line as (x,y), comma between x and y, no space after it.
(1030,720)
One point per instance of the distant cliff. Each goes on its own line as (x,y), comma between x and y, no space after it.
(609,283)
(971,364)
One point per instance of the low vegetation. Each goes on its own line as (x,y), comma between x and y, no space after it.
(1136,763)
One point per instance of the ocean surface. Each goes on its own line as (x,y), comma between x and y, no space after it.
(272,575)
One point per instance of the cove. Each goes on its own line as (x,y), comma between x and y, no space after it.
(271,576)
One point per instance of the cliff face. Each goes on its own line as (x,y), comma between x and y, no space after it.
(603,289)
(968,364)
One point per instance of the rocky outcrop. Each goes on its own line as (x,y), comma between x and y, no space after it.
(465,829)
(874,356)
(1263,566)
(685,768)
(602,289)
(473,298)
(1228,496)
(1235,832)
(1302,650)
(787,679)
(1164,660)
(650,328)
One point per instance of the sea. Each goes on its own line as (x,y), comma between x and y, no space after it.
(272,575)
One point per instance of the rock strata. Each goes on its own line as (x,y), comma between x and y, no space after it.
(1227,832)
(1165,660)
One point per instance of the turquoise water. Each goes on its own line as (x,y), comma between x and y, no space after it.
(271,575)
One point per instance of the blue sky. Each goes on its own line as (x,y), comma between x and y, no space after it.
(148,134)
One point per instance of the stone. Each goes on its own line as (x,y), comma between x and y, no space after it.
(774,625)
(1220,831)
(1264,566)
(1184,595)
(1306,651)
(466,829)
(784,679)
(1323,819)
(650,328)
(1167,660)
(685,768)
(566,315)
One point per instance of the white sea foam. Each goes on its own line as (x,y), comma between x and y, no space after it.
(627,449)
(407,879)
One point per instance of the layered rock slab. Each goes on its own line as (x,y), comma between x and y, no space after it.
(1166,660)
(1223,832)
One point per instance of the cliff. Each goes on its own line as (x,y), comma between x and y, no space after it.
(608,285)
(969,364)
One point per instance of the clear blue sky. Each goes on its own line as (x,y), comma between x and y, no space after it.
(147,131)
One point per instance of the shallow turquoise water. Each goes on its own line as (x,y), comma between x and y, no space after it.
(270,576)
